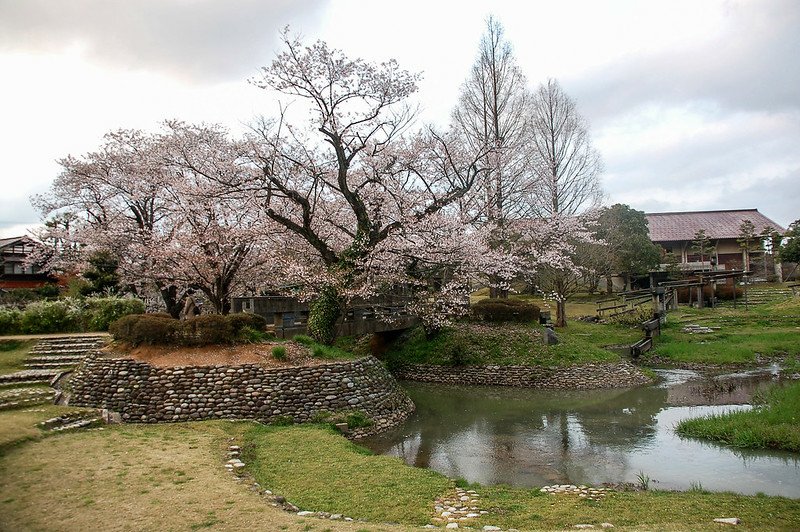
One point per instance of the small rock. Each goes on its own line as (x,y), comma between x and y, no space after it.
(336,517)
(305,513)
(490,528)
(452,525)
(430,526)
(606,525)
(727,520)
(280,499)
(584,527)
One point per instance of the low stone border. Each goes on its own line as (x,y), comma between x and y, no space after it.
(144,393)
(577,377)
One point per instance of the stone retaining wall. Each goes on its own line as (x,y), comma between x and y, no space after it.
(579,377)
(144,393)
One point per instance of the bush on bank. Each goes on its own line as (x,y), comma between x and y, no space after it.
(67,315)
(505,310)
(209,329)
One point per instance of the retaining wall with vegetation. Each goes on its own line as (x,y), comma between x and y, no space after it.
(144,393)
(578,377)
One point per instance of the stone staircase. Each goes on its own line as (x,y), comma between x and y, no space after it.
(760,296)
(69,421)
(52,356)
(60,353)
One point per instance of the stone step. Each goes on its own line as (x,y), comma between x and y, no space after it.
(67,422)
(29,376)
(77,351)
(64,348)
(11,384)
(57,358)
(28,400)
(50,365)
(69,339)
(79,424)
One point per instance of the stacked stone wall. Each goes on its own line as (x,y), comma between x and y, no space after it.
(144,393)
(578,377)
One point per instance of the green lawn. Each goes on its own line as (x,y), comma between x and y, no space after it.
(319,470)
(508,344)
(171,477)
(13,354)
(774,423)
(766,330)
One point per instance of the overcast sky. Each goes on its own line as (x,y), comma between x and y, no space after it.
(694,105)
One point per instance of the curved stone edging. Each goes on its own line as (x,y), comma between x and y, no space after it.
(144,393)
(577,377)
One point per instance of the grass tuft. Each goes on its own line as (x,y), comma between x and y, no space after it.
(774,423)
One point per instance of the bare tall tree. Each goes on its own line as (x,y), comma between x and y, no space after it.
(566,166)
(491,114)
(567,183)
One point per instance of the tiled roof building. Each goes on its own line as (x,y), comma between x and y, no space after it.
(15,272)
(675,231)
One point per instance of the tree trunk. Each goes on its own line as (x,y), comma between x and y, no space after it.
(324,312)
(561,313)
(169,294)
(609,285)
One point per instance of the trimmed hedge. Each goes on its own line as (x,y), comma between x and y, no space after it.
(502,310)
(67,315)
(208,329)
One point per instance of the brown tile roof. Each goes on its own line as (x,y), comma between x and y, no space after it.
(677,226)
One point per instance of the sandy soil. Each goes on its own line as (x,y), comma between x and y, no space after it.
(217,355)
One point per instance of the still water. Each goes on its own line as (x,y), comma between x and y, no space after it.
(533,438)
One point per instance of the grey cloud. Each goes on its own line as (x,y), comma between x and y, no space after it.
(755,67)
(202,39)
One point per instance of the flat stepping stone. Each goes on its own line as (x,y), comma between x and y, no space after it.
(54,358)
(29,376)
(65,351)
(50,365)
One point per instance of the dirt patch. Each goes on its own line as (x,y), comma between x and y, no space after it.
(217,355)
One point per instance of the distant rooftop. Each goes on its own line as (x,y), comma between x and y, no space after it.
(677,226)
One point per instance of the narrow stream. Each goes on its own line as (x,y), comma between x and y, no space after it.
(533,438)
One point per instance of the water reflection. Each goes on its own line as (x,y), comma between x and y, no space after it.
(532,437)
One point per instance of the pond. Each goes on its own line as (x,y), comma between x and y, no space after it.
(531,438)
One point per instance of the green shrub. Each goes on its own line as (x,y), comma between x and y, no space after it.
(10,320)
(357,419)
(303,339)
(152,330)
(206,329)
(279,352)
(63,315)
(456,351)
(240,320)
(252,336)
(102,311)
(282,421)
(500,310)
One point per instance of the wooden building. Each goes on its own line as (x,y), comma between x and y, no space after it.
(675,233)
(15,270)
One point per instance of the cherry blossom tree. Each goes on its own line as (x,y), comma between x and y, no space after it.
(153,201)
(352,182)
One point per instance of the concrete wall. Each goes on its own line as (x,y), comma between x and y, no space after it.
(144,393)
